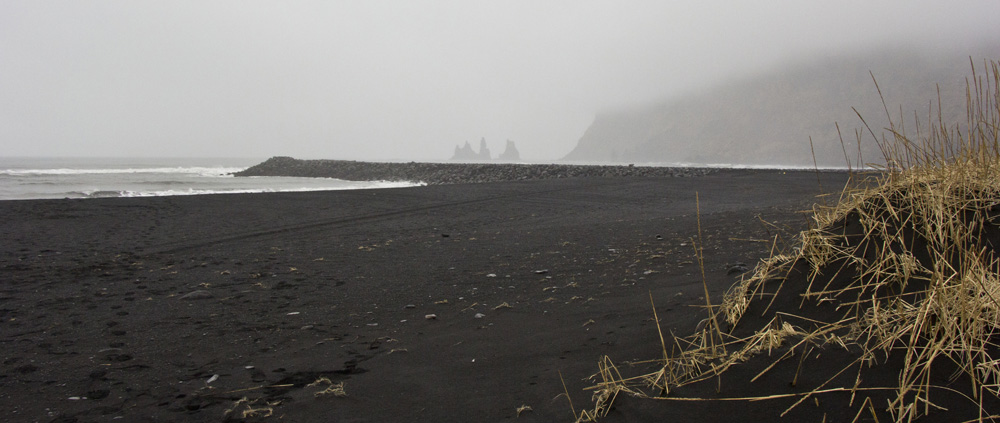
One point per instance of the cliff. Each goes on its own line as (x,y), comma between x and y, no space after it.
(769,119)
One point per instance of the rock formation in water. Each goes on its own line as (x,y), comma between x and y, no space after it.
(484,151)
(510,153)
(464,153)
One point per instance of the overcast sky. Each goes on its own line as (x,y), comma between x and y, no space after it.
(403,80)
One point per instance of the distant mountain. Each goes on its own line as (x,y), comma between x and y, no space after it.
(768,119)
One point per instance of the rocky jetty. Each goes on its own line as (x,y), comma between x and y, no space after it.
(452,173)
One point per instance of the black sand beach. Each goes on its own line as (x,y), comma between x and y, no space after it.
(178,308)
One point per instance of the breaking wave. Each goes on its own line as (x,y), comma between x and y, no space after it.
(199,171)
(191,191)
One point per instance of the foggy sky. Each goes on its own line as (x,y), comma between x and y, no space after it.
(406,80)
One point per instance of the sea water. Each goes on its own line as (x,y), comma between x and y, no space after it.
(37,178)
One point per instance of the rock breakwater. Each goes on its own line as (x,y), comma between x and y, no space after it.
(451,173)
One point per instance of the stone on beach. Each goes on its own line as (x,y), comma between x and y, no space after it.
(200,294)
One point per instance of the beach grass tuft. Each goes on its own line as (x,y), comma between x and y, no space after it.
(904,265)
(329,387)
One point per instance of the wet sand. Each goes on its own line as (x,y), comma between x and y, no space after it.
(178,308)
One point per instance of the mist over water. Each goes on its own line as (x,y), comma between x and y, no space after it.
(401,80)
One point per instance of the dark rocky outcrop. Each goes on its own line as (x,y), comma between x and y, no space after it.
(451,173)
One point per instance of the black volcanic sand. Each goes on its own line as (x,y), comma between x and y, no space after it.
(175,308)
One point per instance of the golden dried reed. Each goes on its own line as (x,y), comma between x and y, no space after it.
(905,259)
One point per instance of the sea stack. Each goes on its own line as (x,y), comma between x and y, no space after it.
(510,153)
(484,151)
(464,153)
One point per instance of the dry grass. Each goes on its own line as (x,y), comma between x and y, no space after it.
(247,408)
(523,409)
(331,388)
(906,262)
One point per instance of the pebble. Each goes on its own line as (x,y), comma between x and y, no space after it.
(480,315)
(736,268)
(431,316)
(197,295)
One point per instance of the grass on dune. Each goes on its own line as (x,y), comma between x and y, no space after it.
(906,263)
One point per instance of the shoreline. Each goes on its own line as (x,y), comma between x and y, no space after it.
(177,308)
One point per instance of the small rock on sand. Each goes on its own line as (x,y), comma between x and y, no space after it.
(736,268)
(197,295)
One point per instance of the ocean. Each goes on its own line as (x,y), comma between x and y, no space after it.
(39,178)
